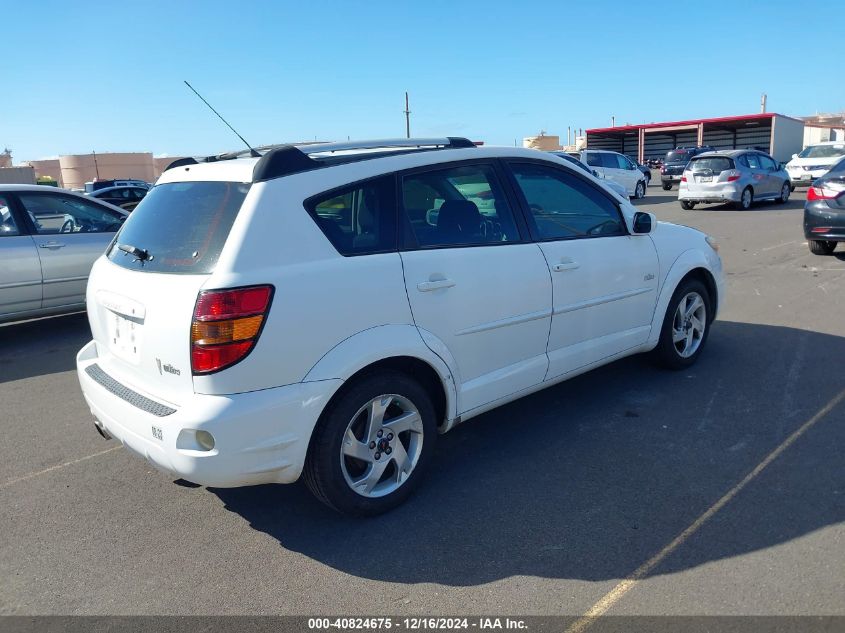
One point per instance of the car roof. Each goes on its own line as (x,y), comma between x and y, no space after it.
(115,188)
(242,169)
(49,189)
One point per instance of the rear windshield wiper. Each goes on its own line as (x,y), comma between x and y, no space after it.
(142,255)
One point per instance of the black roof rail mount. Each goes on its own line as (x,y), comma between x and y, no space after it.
(285,160)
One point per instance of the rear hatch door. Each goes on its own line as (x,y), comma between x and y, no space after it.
(708,173)
(142,292)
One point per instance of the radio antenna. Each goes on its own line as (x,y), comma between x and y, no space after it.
(252,152)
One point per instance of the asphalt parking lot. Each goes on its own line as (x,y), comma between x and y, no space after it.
(540,507)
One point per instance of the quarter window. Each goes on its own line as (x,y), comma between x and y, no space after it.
(360,219)
(565,206)
(64,214)
(8,227)
(459,206)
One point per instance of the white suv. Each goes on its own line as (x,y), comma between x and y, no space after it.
(327,309)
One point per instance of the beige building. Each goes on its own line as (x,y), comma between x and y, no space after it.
(160,163)
(542,142)
(77,169)
(48,167)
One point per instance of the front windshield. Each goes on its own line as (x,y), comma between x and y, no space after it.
(823,151)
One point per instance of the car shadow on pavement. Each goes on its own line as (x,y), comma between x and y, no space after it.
(590,478)
(41,347)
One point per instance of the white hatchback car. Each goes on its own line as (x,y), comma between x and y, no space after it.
(326,310)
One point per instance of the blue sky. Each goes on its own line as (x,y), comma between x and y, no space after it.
(82,76)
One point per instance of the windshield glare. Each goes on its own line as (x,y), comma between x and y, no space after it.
(823,151)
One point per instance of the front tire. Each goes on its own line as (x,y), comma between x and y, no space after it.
(372,444)
(822,247)
(685,326)
(686,205)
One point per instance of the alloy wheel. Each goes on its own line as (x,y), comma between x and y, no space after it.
(689,324)
(381,445)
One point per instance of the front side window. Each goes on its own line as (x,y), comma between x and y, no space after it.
(65,214)
(8,227)
(360,219)
(565,206)
(767,163)
(458,206)
(610,161)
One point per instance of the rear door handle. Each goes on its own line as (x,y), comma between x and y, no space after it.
(561,267)
(51,245)
(428,286)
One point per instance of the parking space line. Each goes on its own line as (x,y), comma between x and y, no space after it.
(768,248)
(614,595)
(16,480)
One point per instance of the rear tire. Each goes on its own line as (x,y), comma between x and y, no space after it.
(682,337)
(686,205)
(639,191)
(667,187)
(745,200)
(372,444)
(821,247)
(784,193)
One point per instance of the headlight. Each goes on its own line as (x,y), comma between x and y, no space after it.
(711,241)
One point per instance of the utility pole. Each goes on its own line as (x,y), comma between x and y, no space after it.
(407,117)
(96,168)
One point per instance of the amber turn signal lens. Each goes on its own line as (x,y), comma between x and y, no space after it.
(219,332)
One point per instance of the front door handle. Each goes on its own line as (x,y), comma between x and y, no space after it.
(51,245)
(568,265)
(428,286)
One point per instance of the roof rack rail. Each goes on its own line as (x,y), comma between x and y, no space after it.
(291,159)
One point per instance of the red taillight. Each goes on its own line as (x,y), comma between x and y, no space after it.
(734,176)
(821,229)
(683,178)
(226,325)
(820,193)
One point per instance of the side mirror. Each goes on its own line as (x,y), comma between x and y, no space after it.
(595,173)
(643,223)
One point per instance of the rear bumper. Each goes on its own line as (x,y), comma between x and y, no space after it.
(259,437)
(819,214)
(715,194)
(670,178)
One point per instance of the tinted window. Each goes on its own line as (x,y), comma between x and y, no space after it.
(593,159)
(767,162)
(68,214)
(458,206)
(742,160)
(715,164)
(564,206)
(678,156)
(575,161)
(610,161)
(360,219)
(753,161)
(182,225)
(7,222)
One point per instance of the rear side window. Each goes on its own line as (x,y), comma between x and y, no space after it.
(359,219)
(182,226)
(715,164)
(593,159)
(753,161)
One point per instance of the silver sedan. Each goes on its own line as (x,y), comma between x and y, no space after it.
(49,239)
(740,177)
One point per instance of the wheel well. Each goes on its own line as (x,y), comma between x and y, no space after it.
(703,275)
(417,369)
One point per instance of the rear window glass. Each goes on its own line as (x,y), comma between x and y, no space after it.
(180,226)
(716,164)
(679,156)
